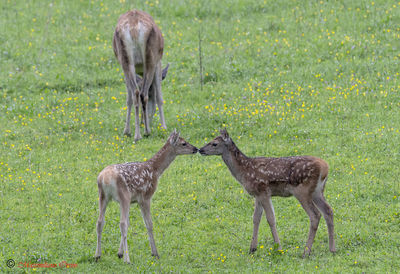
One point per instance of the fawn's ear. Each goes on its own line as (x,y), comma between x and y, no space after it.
(174,137)
(164,72)
(224,134)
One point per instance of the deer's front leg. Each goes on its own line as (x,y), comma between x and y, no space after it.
(270,214)
(145,208)
(258,210)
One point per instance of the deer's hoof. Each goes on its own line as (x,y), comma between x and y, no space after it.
(120,255)
(306,253)
(127,132)
(252,250)
(137,137)
(96,259)
(155,256)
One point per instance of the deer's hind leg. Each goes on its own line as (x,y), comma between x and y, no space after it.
(158,95)
(103,201)
(124,223)
(321,203)
(129,101)
(148,77)
(132,98)
(306,202)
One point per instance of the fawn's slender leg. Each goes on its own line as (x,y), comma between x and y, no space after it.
(103,201)
(327,211)
(314,215)
(270,214)
(124,207)
(145,208)
(258,210)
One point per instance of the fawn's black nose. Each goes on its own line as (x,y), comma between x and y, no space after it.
(195,149)
(202,151)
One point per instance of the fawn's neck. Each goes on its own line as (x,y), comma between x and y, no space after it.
(235,160)
(162,159)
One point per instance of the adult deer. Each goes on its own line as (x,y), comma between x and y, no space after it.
(301,176)
(136,182)
(138,45)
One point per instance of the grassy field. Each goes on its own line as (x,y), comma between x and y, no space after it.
(284,77)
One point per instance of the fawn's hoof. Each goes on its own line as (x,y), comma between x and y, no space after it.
(306,252)
(96,259)
(120,255)
(155,256)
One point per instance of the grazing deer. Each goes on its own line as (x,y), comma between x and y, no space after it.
(136,182)
(138,45)
(301,176)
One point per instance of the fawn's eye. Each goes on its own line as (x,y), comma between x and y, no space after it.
(184,144)
(214,144)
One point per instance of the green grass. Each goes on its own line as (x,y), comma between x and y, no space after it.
(285,77)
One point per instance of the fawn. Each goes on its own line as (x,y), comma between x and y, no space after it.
(136,182)
(301,176)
